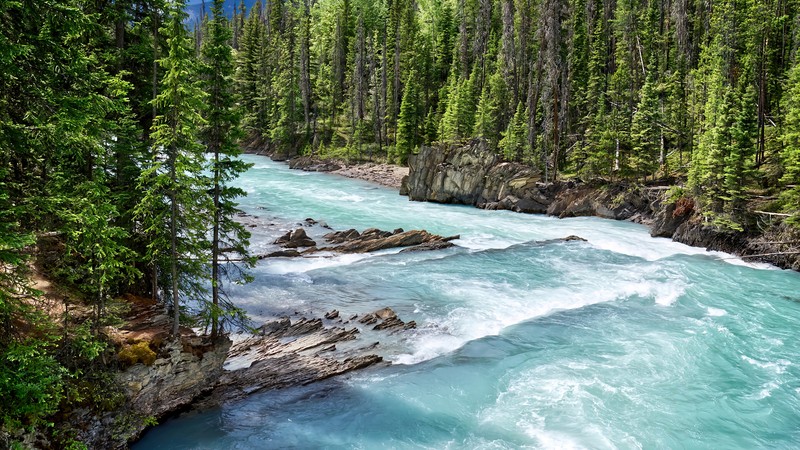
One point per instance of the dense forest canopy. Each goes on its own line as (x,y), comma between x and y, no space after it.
(120,127)
(620,90)
(118,143)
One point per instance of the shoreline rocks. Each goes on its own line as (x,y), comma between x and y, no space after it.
(351,241)
(388,175)
(473,175)
(285,353)
(181,372)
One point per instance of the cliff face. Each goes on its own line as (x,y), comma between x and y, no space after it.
(473,175)
(180,372)
(186,370)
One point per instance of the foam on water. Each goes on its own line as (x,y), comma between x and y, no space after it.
(623,341)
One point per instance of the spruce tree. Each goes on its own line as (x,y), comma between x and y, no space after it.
(409,121)
(221,135)
(645,130)
(790,154)
(175,205)
(514,144)
(490,118)
(459,117)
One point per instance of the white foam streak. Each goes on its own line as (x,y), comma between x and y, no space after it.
(488,308)
(283,266)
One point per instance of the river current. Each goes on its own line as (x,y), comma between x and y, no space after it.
(623,341)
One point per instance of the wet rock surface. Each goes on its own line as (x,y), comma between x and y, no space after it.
(474,175)
(295,239)
(373,240)
(284,353)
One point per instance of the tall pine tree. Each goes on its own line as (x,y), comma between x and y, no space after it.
(221,134)
(175,203)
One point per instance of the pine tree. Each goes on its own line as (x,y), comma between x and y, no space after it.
(790,154)
(221,135)
(489,120)
(409,121)
(514,144)
(175,204)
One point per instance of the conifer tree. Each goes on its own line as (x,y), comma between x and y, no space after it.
(409,121)
(514,144)
(459,117)
(221,134)
(490,118)
(175,203)
(790,154)
(645,133)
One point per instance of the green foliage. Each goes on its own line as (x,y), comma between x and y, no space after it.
(491,110)
(645,130)
(514,144)
(410,120)
(221,134)
(674,193)
(31,384)
(791,146)
(95,257)
(175,204)
(459,116)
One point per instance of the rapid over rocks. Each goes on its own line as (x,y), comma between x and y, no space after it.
(473,175)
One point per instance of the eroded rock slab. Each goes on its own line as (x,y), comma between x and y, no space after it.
(372,240)
(287,353)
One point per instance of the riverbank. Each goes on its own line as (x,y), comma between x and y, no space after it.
(388,175)
(506,325)
(472,175)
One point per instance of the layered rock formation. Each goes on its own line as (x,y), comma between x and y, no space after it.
(287,354)
(351,241)
(473,175)
(179,372)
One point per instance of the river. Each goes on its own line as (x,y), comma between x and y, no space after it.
(623,341)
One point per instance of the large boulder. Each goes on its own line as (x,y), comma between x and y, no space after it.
(295,239)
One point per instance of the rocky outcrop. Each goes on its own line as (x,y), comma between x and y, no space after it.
(469,175)
(386,319)
(373,239)
(295,239)
(351,241)
(182,370)
(474,175)
(776,243)
(286,353)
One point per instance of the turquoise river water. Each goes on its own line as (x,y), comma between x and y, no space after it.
(623,341)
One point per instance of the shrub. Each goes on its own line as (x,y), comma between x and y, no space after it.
(31,384)
(137,353)
(674,194)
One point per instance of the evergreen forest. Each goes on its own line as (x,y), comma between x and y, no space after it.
(121,122)
(701,91)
